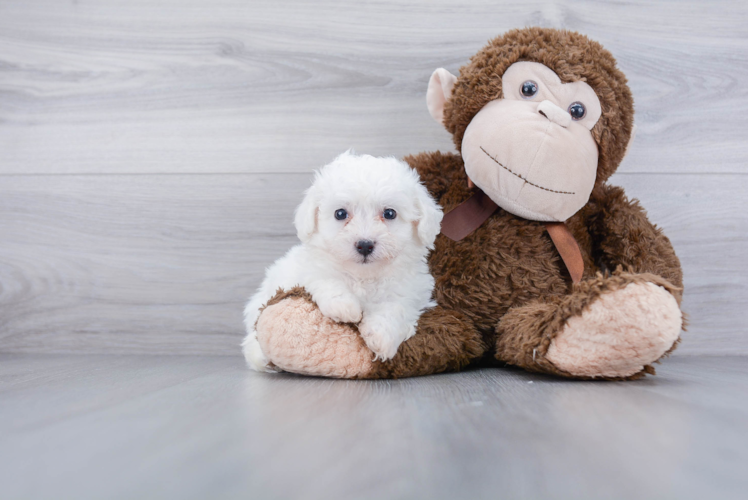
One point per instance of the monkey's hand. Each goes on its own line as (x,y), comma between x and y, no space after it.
(297,337)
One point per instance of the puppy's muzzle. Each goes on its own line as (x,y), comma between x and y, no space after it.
(365,247)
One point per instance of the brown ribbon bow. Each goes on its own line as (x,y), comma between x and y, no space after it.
(472,213)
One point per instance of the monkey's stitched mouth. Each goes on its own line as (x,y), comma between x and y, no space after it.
(523,178)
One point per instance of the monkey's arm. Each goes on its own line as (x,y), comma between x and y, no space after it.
(613,326)
(622,235)
(438,171)
(608,327)
(294,336)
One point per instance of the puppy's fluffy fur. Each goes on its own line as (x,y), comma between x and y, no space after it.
(384,291)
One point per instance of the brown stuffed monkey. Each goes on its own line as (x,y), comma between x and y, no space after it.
(541,118)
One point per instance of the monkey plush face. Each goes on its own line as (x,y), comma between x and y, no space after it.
(540,117)
(532,151)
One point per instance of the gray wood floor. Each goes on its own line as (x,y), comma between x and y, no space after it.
(186,427)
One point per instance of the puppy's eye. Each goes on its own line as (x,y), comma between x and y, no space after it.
(577,111)
(389,214)
(341,214)
(528,89)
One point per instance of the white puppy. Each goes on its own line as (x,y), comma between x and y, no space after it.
(366,226)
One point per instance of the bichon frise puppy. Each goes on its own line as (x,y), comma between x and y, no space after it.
(366,225)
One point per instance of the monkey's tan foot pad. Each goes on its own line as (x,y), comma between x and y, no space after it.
(297,338)
(619,334)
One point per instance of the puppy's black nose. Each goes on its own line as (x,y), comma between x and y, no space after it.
(365,247)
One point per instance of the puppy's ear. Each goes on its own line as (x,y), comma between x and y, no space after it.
(429,222)
(305,219)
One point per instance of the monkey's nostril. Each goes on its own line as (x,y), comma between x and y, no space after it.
(554,114)
(365,247)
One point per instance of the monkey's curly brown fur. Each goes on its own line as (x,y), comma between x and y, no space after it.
(503,292)
(507,277)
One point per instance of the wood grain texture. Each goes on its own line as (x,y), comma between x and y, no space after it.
(137,263)
(151,153)
(120,427)
(237,86)
(164,263)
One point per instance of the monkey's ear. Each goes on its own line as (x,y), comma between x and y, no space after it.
(440,89)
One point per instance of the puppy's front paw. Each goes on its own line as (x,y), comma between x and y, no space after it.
(381,336)
(341,308)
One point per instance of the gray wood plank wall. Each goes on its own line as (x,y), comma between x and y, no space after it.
(151,153)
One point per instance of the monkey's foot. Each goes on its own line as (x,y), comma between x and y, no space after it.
(619,334)
(296,337)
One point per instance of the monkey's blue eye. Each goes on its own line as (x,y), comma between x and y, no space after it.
(529,89)
(341,214)
(389,214)
(577,111)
